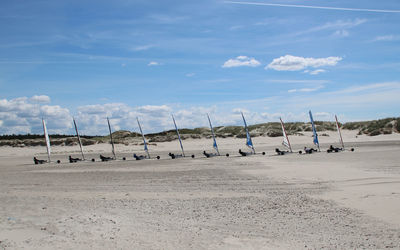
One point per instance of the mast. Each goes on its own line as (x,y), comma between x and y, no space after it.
(315,135)
(213,135)
(46,137)
(179,136)
(285,142)
(249,142)
(338,129)
(111,139)
(144,140)
(79,139)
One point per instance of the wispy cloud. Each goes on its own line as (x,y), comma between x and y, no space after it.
(143,47)
(317,71)
(153,63)
(305,89)
(340,27)
(241,61)
(236,27)
(291,81)
(386,38)
(295,63)
(313,7)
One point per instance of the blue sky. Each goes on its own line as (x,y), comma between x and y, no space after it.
(92,59)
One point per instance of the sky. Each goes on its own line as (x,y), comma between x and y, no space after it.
(150,59)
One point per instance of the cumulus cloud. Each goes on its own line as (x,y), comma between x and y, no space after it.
(241,61)
(23,115)
(153,63)
(295,63)
(40,98)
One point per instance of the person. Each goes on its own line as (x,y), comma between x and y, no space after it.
(139,157)
(72,160)
(333,149)
(309,150)
(37,161)
(174,156)
(279,152)
(243,153)
(208,155)
(104,158)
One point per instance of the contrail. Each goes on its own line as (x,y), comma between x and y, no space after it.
(313,7)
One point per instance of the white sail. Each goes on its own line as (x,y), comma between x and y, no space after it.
(144,139)
(179,136)
(340,134)
(46,137)
(213,135)
(285,142)
(249,142)
(111,139)
(79,139)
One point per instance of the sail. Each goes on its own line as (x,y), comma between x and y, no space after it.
(46,137)
(340,134)
(249,142)
(111,139)
(285,142)
(213,135)
(144,139)
(315,135)
(179,136)
(79,139)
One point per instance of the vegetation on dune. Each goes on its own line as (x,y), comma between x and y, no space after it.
(271,129)
(375,127)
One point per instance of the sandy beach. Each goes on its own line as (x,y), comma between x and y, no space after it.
(345,200)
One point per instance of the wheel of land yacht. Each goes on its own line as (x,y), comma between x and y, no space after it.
(158,157)
(93,160)
(192,156)
(263,153)
(227,155)
(300,152)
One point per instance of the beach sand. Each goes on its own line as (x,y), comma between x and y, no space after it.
(342,200)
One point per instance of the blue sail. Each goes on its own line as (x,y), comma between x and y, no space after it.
(249,142)
(315,135)
(213,135)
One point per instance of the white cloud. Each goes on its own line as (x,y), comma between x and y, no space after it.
(386,38)
(236,27)
(241,61)
(143,47)
(341,27)
(341,33)
(153,63)
(295,63)
(23,115)
(190,74)
(305,89)
(317,71)
(40,98)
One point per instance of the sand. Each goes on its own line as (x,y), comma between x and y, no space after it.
(341,200)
